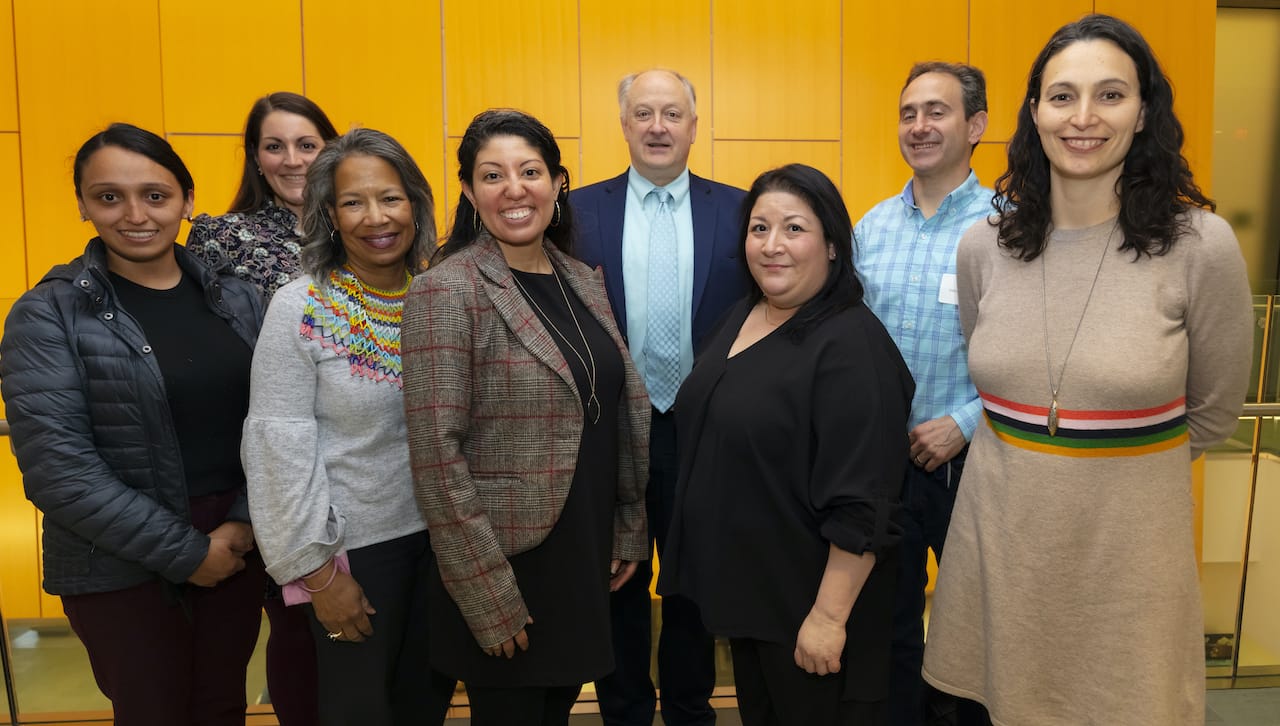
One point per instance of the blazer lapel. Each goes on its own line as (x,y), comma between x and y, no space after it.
(704,231)
(586,285)
(612,211)
(515,311)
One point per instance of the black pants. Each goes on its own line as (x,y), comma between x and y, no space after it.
(166,655)
(686,651)
(527,706)
(774,691)
(385,680)
(927,500)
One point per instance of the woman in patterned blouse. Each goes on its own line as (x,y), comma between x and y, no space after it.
(258,240)
(258,237)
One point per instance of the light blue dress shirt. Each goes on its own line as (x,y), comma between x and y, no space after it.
(903,261)
(635,263)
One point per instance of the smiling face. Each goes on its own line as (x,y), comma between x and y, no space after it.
(1089,109)
(374,216)
(135,204)
(935,138)
(787,252)
(288,144)
(513,191)
(659,125)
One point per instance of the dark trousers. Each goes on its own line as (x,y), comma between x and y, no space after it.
(774,691)
(521,706)
(291,665)
(944,709)
(167,654)
(385,680)
(927,502)
(686,651)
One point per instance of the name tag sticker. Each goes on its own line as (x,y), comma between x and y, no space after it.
(948,294)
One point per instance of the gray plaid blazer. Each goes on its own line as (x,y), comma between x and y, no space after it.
(495,421)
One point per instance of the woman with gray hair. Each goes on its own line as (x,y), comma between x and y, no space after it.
(325,449)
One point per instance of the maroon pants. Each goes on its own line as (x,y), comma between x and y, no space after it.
(166,660)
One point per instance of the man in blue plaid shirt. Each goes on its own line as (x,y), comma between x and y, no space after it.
(905,254)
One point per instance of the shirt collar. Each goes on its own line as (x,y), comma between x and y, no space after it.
(956,196)
(678,188)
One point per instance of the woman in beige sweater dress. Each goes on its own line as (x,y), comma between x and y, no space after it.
(1107,314)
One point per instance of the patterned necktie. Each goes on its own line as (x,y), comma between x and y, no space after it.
(662,334)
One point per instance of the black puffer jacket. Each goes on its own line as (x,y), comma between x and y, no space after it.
(92,430)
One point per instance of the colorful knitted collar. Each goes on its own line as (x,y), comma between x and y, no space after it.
(357,321)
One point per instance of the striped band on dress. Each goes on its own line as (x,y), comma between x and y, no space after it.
(1088,433)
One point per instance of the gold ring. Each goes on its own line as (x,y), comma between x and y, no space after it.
(335,636)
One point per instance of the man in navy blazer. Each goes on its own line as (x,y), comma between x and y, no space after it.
(617,219)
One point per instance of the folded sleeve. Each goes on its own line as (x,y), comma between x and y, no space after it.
(295,524)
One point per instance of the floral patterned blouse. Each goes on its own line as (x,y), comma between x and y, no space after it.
(259,247)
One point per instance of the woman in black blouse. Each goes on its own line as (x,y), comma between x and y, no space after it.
(791,426)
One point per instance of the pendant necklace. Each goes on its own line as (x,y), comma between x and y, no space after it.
(593,403)
(1062,372)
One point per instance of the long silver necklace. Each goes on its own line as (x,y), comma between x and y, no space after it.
(1062,372)
(590,370)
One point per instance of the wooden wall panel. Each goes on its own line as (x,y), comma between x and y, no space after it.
(776,70)
(1004,38)
(13,270)
(220,56)
(740,162)
(66,92)
(990,160)
(215,163)
(8,79)
(881,43)
(514,54)
(382,70)
(616,41)
(19,566)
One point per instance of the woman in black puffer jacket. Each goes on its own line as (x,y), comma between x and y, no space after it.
(125,379)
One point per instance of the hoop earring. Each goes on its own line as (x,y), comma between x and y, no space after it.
(555,218)
(332,238)
(475,221)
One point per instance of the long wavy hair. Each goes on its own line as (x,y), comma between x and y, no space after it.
(506,122)
(254,191)
(1155,187)
(322,248)
(841,289)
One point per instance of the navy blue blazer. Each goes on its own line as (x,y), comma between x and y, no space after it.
(719,277)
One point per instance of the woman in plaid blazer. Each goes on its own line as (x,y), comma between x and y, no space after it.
(528,432)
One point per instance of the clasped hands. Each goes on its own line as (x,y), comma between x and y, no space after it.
(228,545)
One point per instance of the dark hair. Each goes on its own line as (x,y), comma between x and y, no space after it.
(973,85)
(254,191)
(1155,186)
(507,122)
(139,141)
(322,250)
(842,288)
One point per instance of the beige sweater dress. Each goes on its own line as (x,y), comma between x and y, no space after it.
(1069,592)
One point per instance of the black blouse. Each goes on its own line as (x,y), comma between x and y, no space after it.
(788,447)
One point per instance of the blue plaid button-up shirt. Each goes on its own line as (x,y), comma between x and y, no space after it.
(902,259)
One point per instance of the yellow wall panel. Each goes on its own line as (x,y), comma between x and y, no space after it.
(8,82)
(19,567)
(75,75)
(990,160)
(13,271)
(1005,36)
(776,70)
(219,56)
(512,53)
(215,163)
(615,40)
(740,162)
(1186,53)
(881,43)
(386,75)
